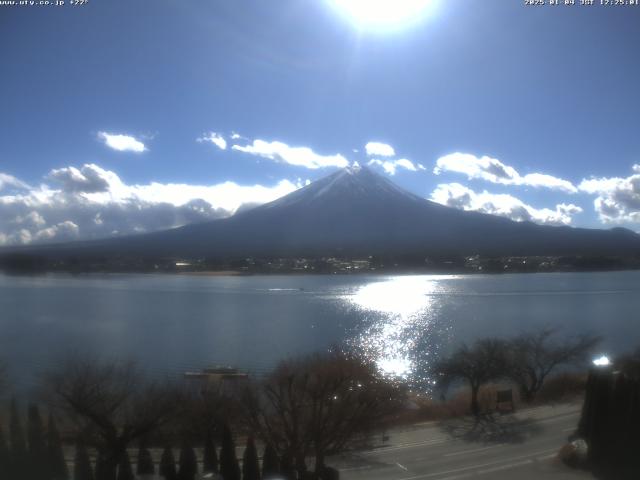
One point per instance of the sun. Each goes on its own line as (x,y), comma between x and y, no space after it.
(383,14)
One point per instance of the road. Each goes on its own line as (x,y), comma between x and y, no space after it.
(522,446)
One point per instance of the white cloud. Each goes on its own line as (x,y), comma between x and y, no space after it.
(63,231)
(122,143)
(391,166)
(379,149)
(7,181)
(89,179)
(298,156)
(458,196)
(494,171)
(215,138)
(617,199)
(91,202)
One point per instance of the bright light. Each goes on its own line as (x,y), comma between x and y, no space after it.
(603,361)
(402,296)
(403,304)
(383,13)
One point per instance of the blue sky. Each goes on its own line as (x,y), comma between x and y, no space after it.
(107,110)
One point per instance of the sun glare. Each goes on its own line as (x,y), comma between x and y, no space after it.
(383,14)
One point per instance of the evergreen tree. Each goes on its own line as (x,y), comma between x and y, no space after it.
(188,463)
(250,465)
(125,472)
(82,465)
(38,458)
(102,469)
(270,463)
(55,457)
(168,465)
(145,461)
(287,470)
(18,452)
(229,468)
(210,457)
(4,456)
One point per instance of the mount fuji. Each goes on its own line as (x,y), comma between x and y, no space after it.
(357,212)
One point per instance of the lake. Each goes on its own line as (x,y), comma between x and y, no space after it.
(173,323)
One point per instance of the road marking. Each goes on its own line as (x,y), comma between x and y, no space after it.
(547,457)
(405,445)
(402,467)
(353,469)
(505,467)
(463,452)
(479,466)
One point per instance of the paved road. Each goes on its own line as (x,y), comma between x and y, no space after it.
(521,446)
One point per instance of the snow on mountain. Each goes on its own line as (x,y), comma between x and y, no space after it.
(357,212)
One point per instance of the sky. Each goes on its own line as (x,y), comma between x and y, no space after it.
(127,116)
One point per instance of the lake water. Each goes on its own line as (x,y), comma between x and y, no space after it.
(172,323)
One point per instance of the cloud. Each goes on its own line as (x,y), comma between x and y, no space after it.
(458,196)
(494,171)
(63,231)
(391,166)
(90,202)
(617,199)
(298,156)
(89,179)
(379,149)
(122,143)
(215,138)
(7,181)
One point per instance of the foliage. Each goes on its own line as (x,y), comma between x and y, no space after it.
(250,465)
(125,472)
(57,465)
(270,462)
(210,457)
(82,465)
(145,461)
(630,363)
(104,470)
(229,468)
(188,463)
(287,470)
(38,457)
(18,460)
(168,465)
(4,456)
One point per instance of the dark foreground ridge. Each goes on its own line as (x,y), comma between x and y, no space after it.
(350,214)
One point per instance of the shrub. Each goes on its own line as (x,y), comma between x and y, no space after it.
(82,469)
(188,463)
(168,465)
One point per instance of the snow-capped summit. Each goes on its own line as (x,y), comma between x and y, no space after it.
(358,212)
(348,185)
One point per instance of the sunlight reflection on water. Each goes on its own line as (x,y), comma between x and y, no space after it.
(399,316)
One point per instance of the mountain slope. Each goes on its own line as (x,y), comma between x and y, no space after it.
(358,212)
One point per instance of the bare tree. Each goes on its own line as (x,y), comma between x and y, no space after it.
(630,363)
(478,364)
(207,406)
(113,401)
(318,404)
(534,355)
